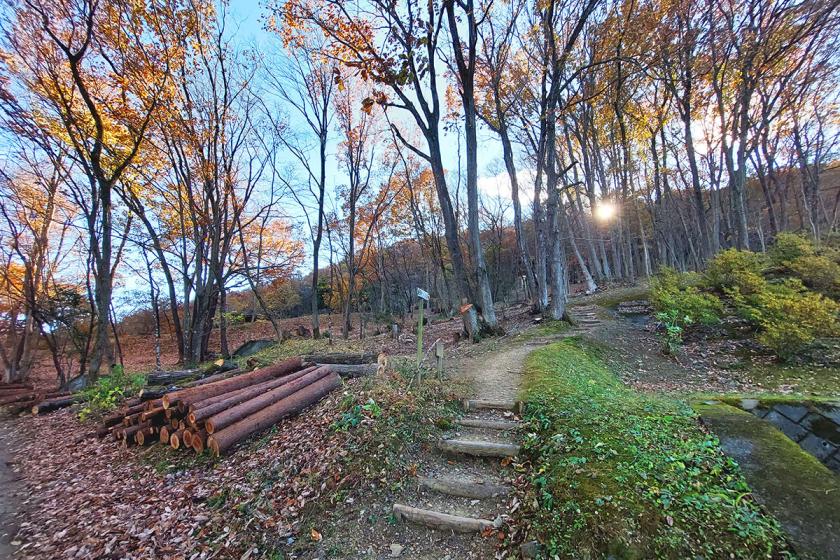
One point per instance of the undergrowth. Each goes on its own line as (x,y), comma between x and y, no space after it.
(109,391)
(613,473)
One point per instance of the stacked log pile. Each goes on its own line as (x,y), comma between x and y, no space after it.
(22,396)
(219,413)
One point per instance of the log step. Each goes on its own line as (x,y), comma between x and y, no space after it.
(503,425)
(474,404)
(466,488)
(438,520)
(478,448)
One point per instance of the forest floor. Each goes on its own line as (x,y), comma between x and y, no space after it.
(322,484)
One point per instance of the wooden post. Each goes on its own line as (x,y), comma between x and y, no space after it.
(420,334)
(439,356)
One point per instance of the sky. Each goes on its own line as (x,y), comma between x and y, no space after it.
(245,21)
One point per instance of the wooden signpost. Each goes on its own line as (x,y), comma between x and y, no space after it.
(424,297)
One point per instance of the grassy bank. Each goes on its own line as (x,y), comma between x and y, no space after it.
(627,475)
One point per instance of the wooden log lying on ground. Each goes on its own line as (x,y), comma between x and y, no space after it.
(11,398)
(341,358)
(202,413)
(240,411)
(54,404)
(353,370)
(201,392)
(213,378)
(223,440)
(169,377)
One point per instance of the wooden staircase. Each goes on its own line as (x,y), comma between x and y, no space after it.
(468,492)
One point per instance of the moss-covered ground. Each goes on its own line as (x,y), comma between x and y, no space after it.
(791,484)
(616,473)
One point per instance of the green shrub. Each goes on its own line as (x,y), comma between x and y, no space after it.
(735,270)
(234,318)
(789,247)
(817,272)
(677,296)
(109,390)
(789,317)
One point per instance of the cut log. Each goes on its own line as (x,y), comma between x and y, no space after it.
(502,425)
(236,413)
(113,419)
(268,384)
(491,405)
(176,439)
(198,441)
(186,437)
(341,358)
(154,403)
(440,520)
(150,414)
(164,435)
(103,431)
(212,378)
(143,435)
(223,440)
(152,393)
(54,404)
(202,413)
(201,392)
(169,377)
(134,409)
(15,397)
(128,433)
(478,448)
(353,370)
(130,419)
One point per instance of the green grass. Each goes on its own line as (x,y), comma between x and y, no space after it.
(620,474)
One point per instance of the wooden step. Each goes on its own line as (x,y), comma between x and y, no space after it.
(477,489)
(503,425)
(438,520)
(478,448)
(478,404)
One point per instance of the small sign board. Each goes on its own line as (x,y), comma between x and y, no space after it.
(422,294)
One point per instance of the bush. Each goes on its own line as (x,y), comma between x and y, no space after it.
(109,391)
(677,296)
(735,270)
(789,317)
(789,247)
(817,272)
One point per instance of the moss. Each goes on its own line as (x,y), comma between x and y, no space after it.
(791,484)
(621,473)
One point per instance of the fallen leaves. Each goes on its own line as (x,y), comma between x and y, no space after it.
(92,499)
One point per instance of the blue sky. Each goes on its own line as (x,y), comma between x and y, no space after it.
(245,20)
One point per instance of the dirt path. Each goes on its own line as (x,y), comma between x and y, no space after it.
(10,487)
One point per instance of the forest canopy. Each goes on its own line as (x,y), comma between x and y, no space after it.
(156,164)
